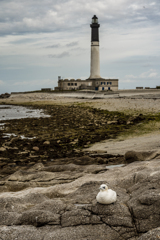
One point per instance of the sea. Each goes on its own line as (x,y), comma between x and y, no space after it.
(8,112)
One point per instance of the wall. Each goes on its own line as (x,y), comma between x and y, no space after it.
(92,84)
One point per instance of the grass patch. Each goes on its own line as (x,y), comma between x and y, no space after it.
(151,126)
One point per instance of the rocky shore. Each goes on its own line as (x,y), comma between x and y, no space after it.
(47,209)
(49,178)
(60,137)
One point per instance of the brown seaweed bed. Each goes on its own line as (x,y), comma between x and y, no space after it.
(61,138)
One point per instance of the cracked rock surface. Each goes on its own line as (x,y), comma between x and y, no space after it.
(58,202)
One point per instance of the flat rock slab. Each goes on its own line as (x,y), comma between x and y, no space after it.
(149,142)
(70,211)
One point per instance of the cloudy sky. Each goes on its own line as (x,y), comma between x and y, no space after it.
(43,39)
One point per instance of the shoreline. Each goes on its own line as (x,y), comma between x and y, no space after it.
(127,105)
(123,101)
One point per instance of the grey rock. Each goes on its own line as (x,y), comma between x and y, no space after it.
(55,206)
(145,209)
(21,204)
(70,211)
(38,218)
(86,232)
(153,234)
(132,156)
(79,217)
(8,218)
(20,233)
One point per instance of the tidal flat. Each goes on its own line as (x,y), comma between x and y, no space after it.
(63,137)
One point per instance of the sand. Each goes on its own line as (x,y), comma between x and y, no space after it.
(125,101)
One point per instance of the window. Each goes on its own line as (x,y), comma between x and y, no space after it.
(107,83)
(75,84)
(104,83)
(68,84)
(111,83)
(71,84)
(101,83)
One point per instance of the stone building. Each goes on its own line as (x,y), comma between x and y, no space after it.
(90,84)
(95,81)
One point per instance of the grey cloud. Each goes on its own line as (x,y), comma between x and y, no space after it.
(72,44)
(22,41)
(61,55)
(79,49)
(53,46)
(20,17)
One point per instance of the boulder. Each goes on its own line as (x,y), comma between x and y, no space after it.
(35,148)
(46,143)
(2,149)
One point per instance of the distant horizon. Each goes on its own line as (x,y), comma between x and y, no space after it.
(52,89)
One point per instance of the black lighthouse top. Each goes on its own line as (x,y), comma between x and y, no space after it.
(94,31)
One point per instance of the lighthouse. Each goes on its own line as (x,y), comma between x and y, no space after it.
(95,82)
(95,65)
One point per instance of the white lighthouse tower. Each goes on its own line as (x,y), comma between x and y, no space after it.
(95,65)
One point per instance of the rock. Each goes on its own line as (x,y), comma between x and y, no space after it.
(145,209)
(2,149)
(9,218)
(153,234)
(21,232)
(70,211)
(23,176)
(35,148)
(86,146)
(112,122)
(46,143)
(38,218)
(89,232)
(36,167)
(55,206)
(5,95)
(132,156)
(78,217)
(85,160)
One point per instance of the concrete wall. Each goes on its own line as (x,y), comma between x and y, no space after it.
(73,84)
